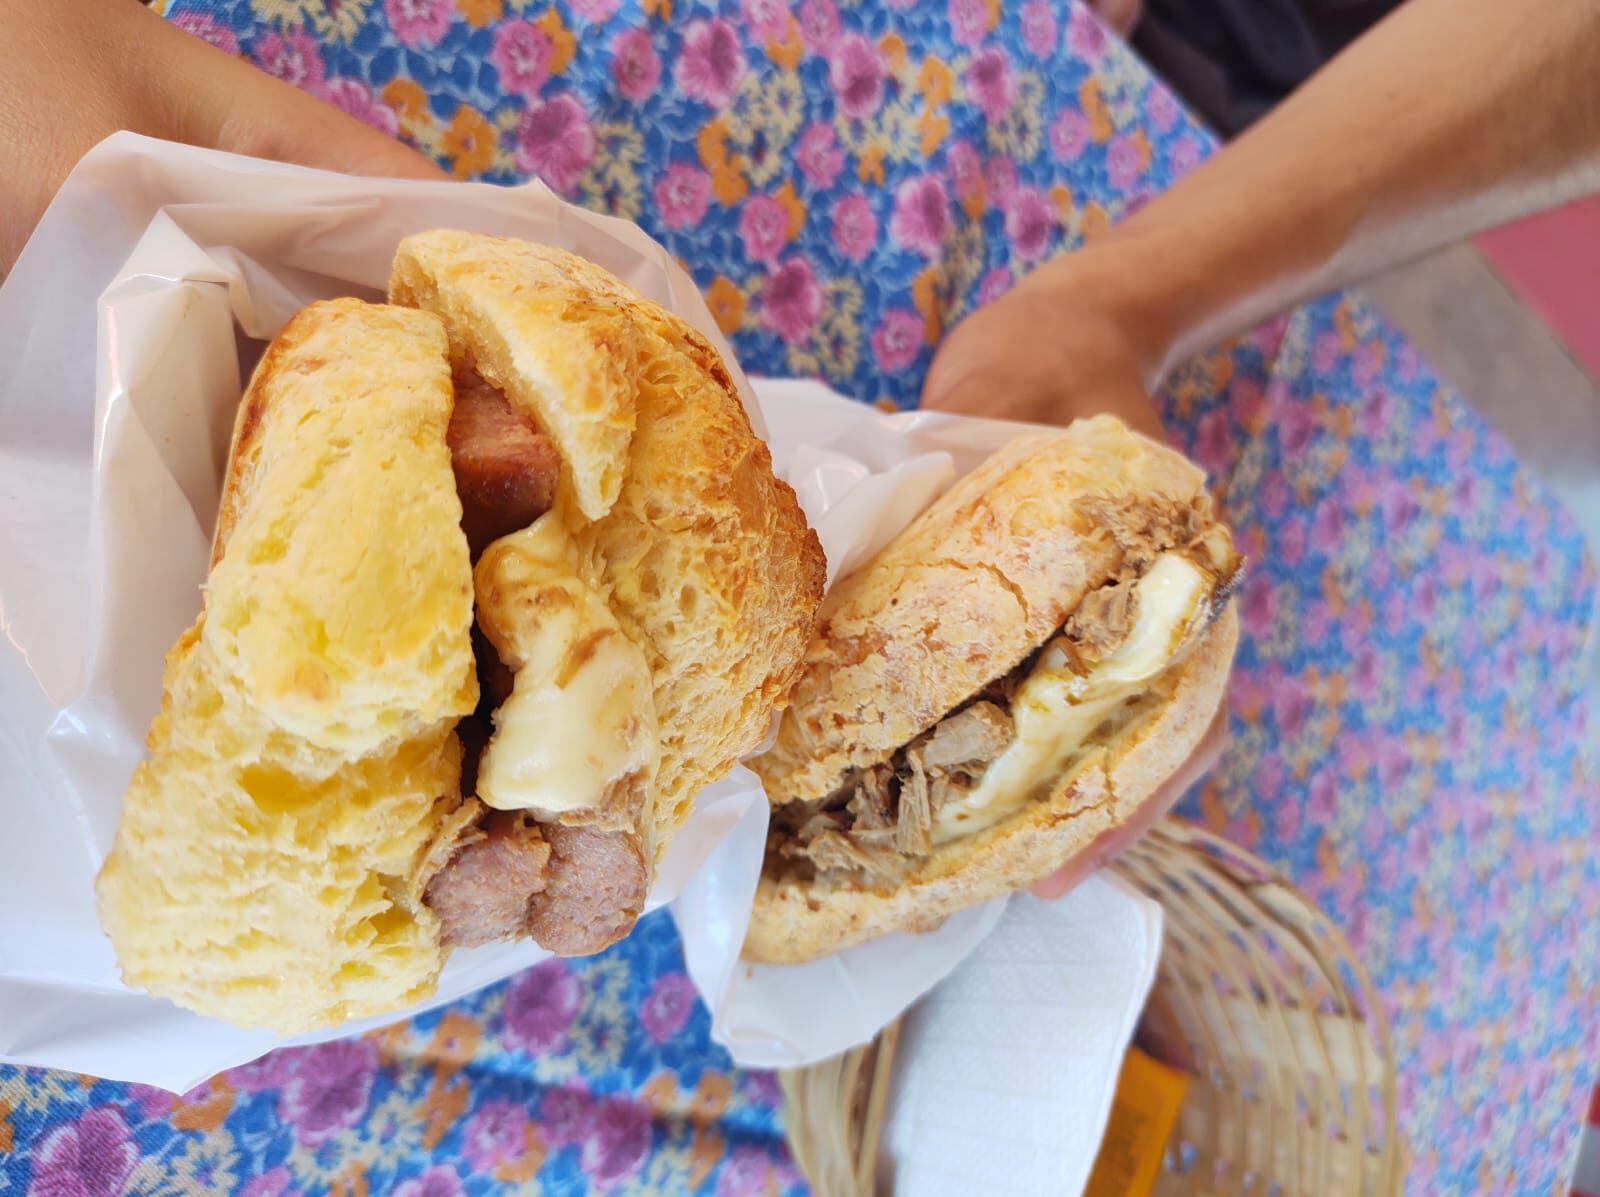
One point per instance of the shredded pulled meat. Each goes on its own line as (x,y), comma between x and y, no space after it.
(878,824)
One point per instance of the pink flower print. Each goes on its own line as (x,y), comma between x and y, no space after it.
(768,20)
(966,170)
(897,341)
(565,1115)
(208,29)
(1162,108)
(855,228)
(1030,220)
(746,1171)
(293,57)
(1273,496)
(1260,606)
(356,98)
(1000,176)
(1316,621)
(271,1071)
(1269,776)
(1291,706)
(668,1006)
(521,53)
(711,63)
(91,1156)
(1123,162)
(1368,361)
(1245,399)
(969,21)
(764,227)
(819,155)
(596,12)
(618,1140)
(761,1088)
(1213,440)
(1325,352)
(152,1102)
(555,142)
(1069,134)
(441,1180)
(275,1183)
(819,26)
(921,217)
(635,65)
(991,84)
(419,22)
(1327,527)
(1085,35)
(791,302)
(540,1006)
(683,193)
(1183,155)
(1039,28)
(1394,762)
(1285,819)
(330,1089)
(996,282)
(495,1134)
(1323,795)
(857,74)
(1367,676)
(1291,541)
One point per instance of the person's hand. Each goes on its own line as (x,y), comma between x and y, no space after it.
(1060,345)
(1116,841)
(77,71)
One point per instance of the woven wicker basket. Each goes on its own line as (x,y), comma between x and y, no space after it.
(1258,998)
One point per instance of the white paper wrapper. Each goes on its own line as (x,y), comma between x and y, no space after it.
(125,332)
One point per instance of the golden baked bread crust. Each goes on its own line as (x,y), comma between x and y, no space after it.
(795,921)
(704,556)
(554,333)
(981,580)
(266,865)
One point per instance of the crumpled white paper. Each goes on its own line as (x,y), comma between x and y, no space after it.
(126,329)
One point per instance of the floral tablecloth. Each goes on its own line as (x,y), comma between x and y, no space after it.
(845,180)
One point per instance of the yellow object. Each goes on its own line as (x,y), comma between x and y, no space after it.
(1149,1095)
(1057,710)
(569,655)
(266,867)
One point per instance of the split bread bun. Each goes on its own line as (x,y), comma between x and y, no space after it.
(386,736)
(1006,683)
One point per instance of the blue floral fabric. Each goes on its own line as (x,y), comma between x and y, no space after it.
(845,180)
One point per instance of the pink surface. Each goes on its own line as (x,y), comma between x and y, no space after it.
(1553,263)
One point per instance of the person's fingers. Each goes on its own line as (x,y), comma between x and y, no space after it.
(1111,845)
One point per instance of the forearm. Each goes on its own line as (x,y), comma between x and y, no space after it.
(1449,117)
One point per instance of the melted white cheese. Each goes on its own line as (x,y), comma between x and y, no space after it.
(581,714)
(1056,709)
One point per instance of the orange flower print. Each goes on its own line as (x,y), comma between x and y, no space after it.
(407,98)
(726,302)
(480,14)
(454,1042)
(469,144)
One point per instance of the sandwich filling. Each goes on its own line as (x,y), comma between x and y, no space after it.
(1112,664)
(565,733)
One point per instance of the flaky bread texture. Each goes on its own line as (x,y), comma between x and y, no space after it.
(703,555)
(554,333)
(794,921)
(981,580)
(266,865)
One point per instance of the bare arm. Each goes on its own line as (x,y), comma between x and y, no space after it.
(1448,117)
